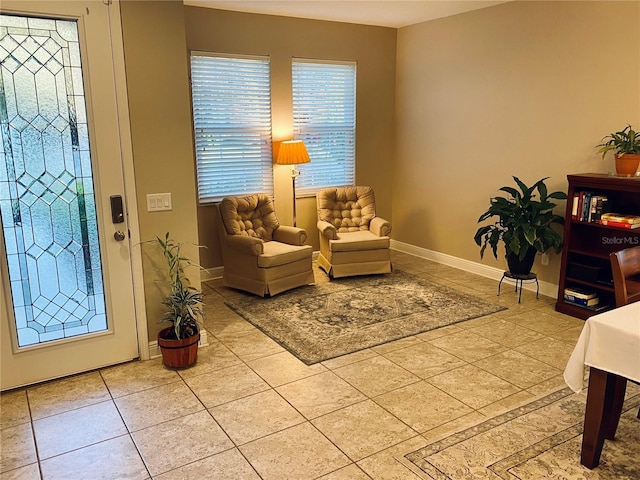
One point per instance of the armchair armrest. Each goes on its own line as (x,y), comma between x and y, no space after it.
(327,230)
(380,227)
(247,245)
(291,235)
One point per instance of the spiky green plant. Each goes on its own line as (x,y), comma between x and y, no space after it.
(184,302)
(625,141)
(524,222)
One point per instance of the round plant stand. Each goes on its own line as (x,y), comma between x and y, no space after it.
(519,279)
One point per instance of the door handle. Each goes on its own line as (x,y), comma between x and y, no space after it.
(119,236)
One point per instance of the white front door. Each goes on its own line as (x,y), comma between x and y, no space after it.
(67,289)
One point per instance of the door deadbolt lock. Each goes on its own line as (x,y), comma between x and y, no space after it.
(119,236)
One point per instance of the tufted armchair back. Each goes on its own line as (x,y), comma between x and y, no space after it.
(348,209)
(250,216)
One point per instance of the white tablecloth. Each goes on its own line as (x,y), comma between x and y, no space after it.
(609,341)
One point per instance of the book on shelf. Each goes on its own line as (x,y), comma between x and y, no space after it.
(582,302)
(594,308)
(581,293)
(589,207)
(611,223)
(621,218)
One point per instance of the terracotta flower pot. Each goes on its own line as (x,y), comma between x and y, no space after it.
(178,353)
(627,165)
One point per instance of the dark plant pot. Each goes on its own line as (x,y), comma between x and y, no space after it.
(178,353)
(521,267)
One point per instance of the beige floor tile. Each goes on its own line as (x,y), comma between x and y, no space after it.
(439,332)
(214,356)
(376,375)
(66,394)
(115,458)
(473,386)
(422,406)
(17,447)
(320,394)
(225,322)
(299,452)
(157,405)
(548,386)
(424,360)
(390,464)
(363,429)
(507,333)
(507,403)
(136,376)
(282,368)
(256,416)
(250,345)
(28,472)
(229,465)
(226,385)
(468,346)
(395,345)
(350,472)
(545,323)
(179,442)
(354,357)
(14,408)
(516,368)
(569,336)
(78,428)
(548,350)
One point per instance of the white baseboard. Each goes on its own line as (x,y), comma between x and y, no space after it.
(154,349)
(211,273)
(546,288)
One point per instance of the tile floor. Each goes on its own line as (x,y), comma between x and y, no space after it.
(250,410)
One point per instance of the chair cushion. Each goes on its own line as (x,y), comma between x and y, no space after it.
(361,240)
(276,253)
(349,209)
(252,216)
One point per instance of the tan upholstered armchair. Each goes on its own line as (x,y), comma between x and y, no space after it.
(260,255)
(353,241)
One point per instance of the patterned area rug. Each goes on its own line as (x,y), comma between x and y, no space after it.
(539,440)
(324,321)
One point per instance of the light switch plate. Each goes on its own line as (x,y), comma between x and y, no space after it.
(158,202)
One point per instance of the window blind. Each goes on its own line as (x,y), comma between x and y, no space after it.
(324,117)
(232,125)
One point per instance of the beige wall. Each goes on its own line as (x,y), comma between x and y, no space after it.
(373,48)
(158,89)
(523,88)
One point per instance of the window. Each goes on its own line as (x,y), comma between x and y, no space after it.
(232,124)
(324,116)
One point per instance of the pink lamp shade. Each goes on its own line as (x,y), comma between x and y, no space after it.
(292,152)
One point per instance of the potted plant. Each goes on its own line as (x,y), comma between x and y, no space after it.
(525,224)
(625,144)
(179,341)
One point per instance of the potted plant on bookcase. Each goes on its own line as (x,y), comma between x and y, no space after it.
(179,341)
(625,145)
(525,224)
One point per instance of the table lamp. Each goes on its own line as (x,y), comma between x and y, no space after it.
(293,152)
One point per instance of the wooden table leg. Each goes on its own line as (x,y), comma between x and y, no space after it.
(604,404)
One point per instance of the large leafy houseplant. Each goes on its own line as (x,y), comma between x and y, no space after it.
(525,224)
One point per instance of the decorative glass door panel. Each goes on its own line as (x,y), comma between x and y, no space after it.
(67,292)
(46,186)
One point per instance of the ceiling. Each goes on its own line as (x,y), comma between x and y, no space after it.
(385,13)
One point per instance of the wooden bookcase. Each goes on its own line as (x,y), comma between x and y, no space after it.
(587,245)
